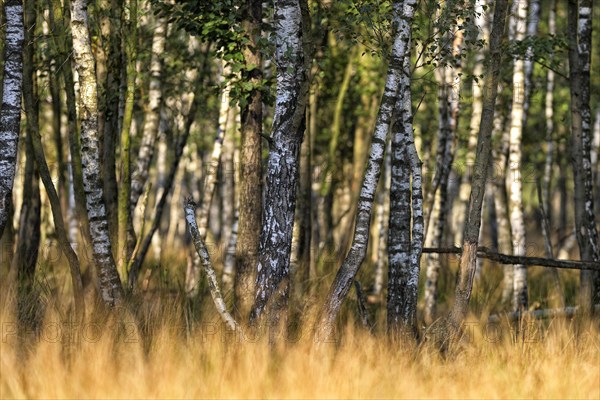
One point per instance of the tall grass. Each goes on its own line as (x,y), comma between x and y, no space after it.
(165,347)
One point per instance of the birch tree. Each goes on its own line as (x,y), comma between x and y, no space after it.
(449,81)
(31,107)
(273,267)
(468,259)
(515,181)
(403,12)
(193,272)
(111,290)
(460,208)
(10,111)
(406,211)
(152,116)
(580,38)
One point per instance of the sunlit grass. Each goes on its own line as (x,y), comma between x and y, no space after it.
(159,348)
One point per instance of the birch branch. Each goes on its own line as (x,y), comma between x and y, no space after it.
(484,252)
(213,284)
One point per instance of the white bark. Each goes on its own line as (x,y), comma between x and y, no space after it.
(208,190)
(108,278)
(460,208)
(273,268)
(213,284)
(515,183)
(403,13)
(152,117)
(10,111)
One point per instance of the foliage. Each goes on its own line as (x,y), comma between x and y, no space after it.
(221,24)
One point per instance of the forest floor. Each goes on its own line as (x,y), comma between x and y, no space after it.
(163,348)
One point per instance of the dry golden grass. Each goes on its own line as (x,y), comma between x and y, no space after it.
(155,351)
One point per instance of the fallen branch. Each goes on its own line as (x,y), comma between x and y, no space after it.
(213,284)
(484,252)
(568,312)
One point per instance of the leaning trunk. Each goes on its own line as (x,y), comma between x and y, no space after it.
(468,260)
(403,13)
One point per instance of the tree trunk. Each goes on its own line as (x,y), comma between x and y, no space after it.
(382,222)
(468,260)
(193,274)
(144,245)
(544,195)
(109,72)
(515,181)
(124,206)
(462,201)
(273,268)
(10,112)
(402,16)
(108,278)
(152,116)
(250,184)
(449,80)
(31,108)
(63,48)
(404,246)
(500,157)
(580,38)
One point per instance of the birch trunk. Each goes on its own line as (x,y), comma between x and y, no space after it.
(477,94)
(273,268)
(402,17)
(59,20)
(193,274)
(580,37)
(468,260)
(108,278)
(449,82)
(31,108)
(382,218)
(545,200)
(406,207)
(144,245)
(207,266)
(515,182)
(109,71)
(152,116)
(10,111)
(500,156)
